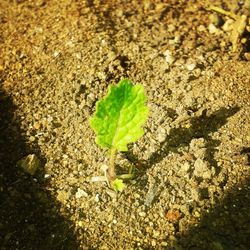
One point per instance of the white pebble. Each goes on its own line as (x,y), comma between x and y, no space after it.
(169,57)
(46,176)
(191,66)
(81,193)
(97,197)
(142,214)
(212,29)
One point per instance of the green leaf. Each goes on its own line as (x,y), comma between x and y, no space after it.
(118,185)
(119,116)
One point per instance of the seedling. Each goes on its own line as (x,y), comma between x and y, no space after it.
(117,121)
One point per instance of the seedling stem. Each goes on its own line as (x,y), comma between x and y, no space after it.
(111,168)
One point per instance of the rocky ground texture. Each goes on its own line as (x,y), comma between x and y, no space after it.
(191,191)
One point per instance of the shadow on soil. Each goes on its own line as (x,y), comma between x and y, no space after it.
(201,127)
(28,214)
(226,226)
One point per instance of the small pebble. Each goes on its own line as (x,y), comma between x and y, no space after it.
(97,197)
(185,167)
(227,26)
(29,164)
(201,169)
(212,29)
(247,56)
(46,176)
(173,215)
(80,193)
(191,66)
(142,214)
(156,234)
(171,28)
(153,243)
(169,57)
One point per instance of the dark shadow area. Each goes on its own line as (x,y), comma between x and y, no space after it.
(201,127)
(226,227)
(246,47)
(29,216)
(246,151)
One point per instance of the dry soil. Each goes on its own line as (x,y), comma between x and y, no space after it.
(192,166)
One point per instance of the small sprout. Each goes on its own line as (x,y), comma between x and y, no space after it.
(118,120)
(118,185)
